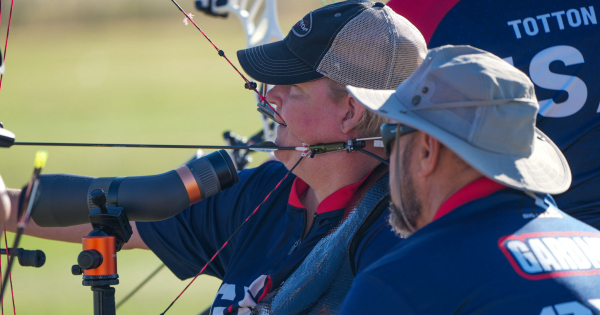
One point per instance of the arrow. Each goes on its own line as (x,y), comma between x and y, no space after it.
(266,146)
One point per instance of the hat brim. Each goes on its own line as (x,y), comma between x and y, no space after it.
(274,64)
(545,171)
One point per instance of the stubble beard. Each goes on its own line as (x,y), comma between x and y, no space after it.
(403,216)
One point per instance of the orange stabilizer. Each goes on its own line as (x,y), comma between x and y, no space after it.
(106,246)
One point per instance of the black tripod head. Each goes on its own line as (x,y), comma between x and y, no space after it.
(110,220)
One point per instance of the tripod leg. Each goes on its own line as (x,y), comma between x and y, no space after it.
(104,300)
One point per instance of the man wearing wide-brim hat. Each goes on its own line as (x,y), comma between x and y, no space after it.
(470,178)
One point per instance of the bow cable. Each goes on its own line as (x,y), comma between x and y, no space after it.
(233,235)
(8,272)
(12,293)
(249,84)
(139,286)
(12,3)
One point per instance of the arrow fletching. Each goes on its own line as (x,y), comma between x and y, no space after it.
(264,147)
(268,147)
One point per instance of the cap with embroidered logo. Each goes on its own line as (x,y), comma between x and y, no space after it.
(357,43)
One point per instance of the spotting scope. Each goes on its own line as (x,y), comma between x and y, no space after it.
(65,199)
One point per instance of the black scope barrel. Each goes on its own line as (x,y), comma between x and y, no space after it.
(65,200)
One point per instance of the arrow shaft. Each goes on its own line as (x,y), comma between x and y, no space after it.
(154,146)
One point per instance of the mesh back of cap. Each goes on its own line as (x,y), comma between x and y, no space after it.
(378,49)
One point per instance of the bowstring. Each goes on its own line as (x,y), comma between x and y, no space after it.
(9,273)
(3,56)
(12,3)
(233,235)
(249,85)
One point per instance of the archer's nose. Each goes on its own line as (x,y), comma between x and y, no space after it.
(274,96)
(274,100)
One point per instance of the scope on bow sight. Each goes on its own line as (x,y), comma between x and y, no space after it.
(65,200)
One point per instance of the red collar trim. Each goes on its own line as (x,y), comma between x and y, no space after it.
(335,201)
(477,189)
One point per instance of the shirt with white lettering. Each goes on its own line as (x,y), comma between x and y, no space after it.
(487,252)
(556,44)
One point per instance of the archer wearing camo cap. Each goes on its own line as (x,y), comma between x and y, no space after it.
(470,178)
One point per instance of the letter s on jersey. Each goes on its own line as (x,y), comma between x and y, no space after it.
(539,70)
(540,74)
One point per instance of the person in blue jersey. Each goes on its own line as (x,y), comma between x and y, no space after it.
(352,42)
(555,43)
(470,176)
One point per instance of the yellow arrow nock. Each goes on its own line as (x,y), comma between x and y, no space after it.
(40,159)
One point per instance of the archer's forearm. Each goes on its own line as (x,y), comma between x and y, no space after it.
(72,234)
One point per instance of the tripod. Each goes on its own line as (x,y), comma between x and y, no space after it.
(98,260)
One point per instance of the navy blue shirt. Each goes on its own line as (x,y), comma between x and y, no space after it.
(500,254)
(267,249)
(556,43)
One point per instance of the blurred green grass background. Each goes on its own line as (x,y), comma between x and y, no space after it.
(124,72)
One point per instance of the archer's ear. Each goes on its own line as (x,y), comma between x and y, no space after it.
(428,154)
(354,112)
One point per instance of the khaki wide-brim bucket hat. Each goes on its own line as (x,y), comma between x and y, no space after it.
(481,108)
